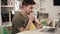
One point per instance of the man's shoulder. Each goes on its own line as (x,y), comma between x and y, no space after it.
(17,16)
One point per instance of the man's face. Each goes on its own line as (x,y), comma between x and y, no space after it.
(29,8)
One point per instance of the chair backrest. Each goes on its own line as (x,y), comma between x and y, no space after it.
(1,30)
(5,30)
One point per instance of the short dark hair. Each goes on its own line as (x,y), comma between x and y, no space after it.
(28,2)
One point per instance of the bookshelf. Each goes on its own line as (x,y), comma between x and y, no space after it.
(6,8)
(5,15)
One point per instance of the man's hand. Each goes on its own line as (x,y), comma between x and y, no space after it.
(39,26)
(31,17)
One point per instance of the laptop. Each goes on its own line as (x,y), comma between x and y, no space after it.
(51,30)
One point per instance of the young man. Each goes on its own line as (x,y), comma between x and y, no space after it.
(22,20)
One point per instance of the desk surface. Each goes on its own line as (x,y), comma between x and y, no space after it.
(37,31)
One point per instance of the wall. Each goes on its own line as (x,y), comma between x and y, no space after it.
(0,12)
(51,9)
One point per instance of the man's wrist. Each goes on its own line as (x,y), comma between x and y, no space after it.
(30,20)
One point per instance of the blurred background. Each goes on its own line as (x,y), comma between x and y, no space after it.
(47,11)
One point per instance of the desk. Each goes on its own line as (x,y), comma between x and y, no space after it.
(37,31)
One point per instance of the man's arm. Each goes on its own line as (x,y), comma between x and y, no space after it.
(27,27)
(31,18)
(37,23)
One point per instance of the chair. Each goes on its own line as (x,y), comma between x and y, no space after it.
(1,30)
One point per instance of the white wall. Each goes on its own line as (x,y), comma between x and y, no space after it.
(0,12)
(51,9)
(0,6)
